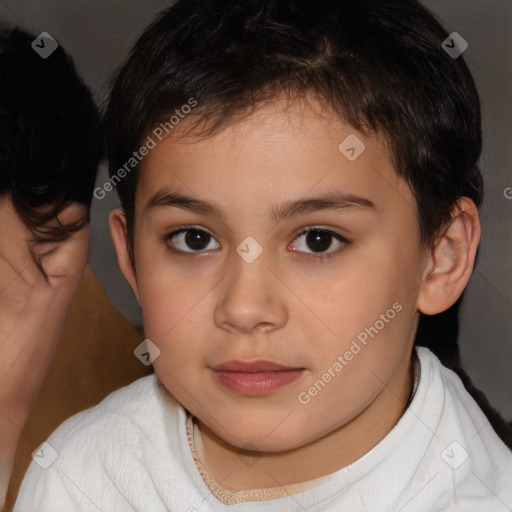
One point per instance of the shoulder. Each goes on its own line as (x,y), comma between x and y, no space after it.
(458,405)
(108,455)
(136,411)
(464,439)
(458,408)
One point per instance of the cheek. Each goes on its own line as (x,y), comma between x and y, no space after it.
(353,296)
(367,310)
(168,298)
(172,323)
(352,370)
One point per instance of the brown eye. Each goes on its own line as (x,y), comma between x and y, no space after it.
(318,241)
(190,240)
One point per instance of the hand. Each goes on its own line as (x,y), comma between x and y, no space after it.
(33,312)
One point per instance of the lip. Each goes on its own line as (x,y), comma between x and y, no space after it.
(251,366)
(255,378)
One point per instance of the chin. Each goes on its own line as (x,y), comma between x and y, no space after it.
(260,444)
(264,436)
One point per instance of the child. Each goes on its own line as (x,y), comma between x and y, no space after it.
(287,376)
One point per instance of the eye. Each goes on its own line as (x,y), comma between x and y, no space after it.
(192,240)
(192,237)
(320,239)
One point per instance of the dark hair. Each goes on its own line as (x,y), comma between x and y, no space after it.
(51,139)
(377,64)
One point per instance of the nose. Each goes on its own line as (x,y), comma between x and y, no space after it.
(251,298)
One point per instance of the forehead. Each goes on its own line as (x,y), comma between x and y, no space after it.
(281,150)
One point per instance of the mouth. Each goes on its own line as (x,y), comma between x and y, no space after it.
(256,377)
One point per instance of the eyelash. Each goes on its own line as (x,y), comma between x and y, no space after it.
(311,256)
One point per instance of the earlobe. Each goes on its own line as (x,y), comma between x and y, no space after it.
(451,260)
(118,231)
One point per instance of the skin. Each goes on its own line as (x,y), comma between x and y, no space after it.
(32,316)
(211,307)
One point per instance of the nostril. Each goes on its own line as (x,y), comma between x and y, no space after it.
(265,327)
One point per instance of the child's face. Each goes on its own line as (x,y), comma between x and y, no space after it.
(207,309)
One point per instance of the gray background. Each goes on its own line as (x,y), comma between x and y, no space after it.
(99,34)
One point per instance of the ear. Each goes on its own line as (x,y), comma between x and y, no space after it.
(118,231)
(451,260)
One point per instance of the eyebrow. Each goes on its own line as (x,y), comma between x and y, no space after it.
(332,200)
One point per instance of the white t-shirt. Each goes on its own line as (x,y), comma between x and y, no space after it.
(131,452)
